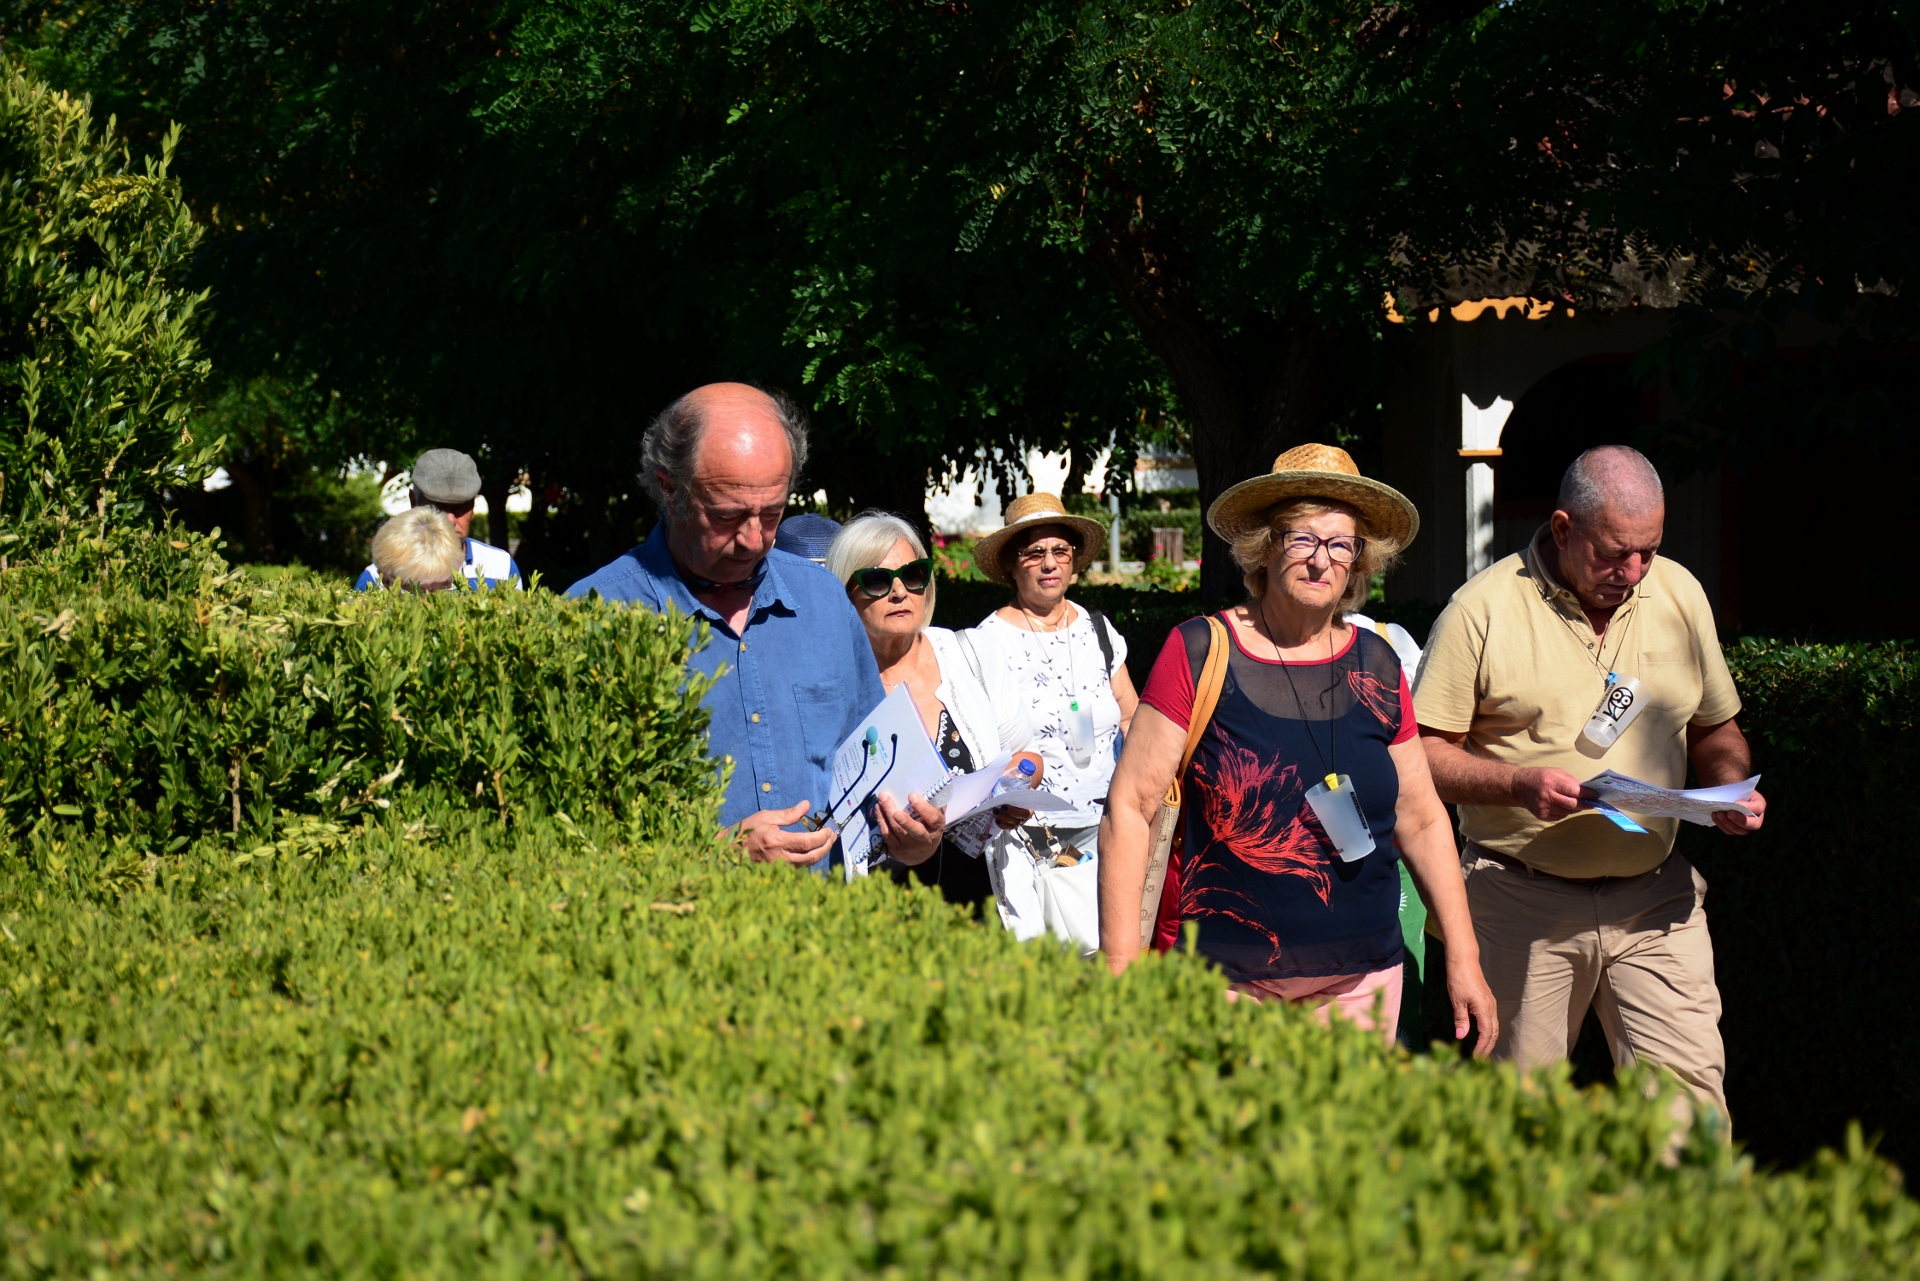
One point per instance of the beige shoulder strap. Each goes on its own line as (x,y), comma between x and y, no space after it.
(1206,695)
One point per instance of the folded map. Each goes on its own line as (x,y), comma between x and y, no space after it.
(1697,805)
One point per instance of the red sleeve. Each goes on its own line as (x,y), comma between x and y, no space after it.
(1409,727)
(1169,688)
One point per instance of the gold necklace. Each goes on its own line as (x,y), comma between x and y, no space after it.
(1066,618)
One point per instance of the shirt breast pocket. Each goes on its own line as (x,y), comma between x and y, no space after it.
(822,713)
(1661,657)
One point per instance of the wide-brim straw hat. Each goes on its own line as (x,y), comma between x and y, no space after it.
(1315,471)
(1027,512)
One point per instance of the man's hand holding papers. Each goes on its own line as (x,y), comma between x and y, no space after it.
(1735,808)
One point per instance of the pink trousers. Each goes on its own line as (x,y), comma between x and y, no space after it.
(1370,1000)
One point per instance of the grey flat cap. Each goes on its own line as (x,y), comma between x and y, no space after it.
(446,476)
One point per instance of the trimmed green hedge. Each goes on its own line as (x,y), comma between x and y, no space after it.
(225,706)
(1815,917)
(469,1053)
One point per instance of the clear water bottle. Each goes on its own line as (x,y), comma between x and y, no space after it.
(1337,806)
(1022,776)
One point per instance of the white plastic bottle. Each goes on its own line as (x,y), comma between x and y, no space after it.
(1337,806)
(1619,707)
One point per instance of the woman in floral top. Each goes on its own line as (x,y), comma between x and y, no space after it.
(1070,664)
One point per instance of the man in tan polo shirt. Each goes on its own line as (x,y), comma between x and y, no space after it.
(1571,910)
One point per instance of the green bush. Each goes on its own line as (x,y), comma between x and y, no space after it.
(231,705)
(473,1053)
(1136,531)
(101,357)
(1814,916)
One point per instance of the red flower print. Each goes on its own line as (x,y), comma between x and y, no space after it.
(1377,697)
(1241,805)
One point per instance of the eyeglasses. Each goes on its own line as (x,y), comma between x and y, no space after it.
(1039,555)
(1298,544)
(877,582)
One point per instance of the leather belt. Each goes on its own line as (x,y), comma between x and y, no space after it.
(1513,864)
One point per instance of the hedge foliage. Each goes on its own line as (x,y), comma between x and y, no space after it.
(101,358)
(447,1050)
(1814,917)
(236,705)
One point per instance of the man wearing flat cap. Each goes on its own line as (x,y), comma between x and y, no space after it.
(448,480)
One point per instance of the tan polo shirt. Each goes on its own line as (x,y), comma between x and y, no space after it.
(1514,665)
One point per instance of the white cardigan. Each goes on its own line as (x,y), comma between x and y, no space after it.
(990,711)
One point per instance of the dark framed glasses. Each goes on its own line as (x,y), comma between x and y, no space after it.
(1298,544)
(877,582)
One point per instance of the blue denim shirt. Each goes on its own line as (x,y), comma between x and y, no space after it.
(795,683)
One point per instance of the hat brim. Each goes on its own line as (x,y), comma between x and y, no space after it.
(1387,511)
(986,552)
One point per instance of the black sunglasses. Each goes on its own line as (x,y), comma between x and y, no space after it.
(877,582)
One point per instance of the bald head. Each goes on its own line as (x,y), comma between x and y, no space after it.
(1611,517)
(1611,481)
(722,433)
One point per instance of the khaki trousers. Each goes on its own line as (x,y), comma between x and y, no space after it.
(1634,948)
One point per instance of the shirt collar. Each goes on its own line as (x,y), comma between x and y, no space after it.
(1540,561)
(770,587)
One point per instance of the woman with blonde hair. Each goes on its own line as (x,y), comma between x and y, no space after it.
(1308,703)
(967,704)
(419,550)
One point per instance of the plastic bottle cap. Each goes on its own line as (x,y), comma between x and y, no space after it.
(1026,767)
(1333,782)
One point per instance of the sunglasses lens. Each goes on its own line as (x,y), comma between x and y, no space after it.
(875,582)
(914,575)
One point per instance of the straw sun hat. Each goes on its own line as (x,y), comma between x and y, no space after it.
(1024,514)
(1315,471)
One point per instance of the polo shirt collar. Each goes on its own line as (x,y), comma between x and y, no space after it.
(770,588)
(1540,563)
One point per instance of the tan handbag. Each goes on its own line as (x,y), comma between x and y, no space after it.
(1166,823)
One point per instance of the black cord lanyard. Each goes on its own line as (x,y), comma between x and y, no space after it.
(1331,758)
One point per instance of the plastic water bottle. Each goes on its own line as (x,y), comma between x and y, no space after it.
(1337,806)
(1024,775)
(1619,706)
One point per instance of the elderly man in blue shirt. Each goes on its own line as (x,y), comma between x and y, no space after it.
(796,670)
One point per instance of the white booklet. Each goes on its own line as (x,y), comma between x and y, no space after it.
(888,752)
(1697,805)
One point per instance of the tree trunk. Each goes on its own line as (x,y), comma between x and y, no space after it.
(1248,397)
(255,482)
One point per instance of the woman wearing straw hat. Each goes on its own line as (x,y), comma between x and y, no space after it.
(1308,783)
(1071,664)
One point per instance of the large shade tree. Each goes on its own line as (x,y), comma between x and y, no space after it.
(1192,166)
(953,226)
(528,266)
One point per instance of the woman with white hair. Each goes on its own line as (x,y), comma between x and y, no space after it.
(419,550)
(966,699)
